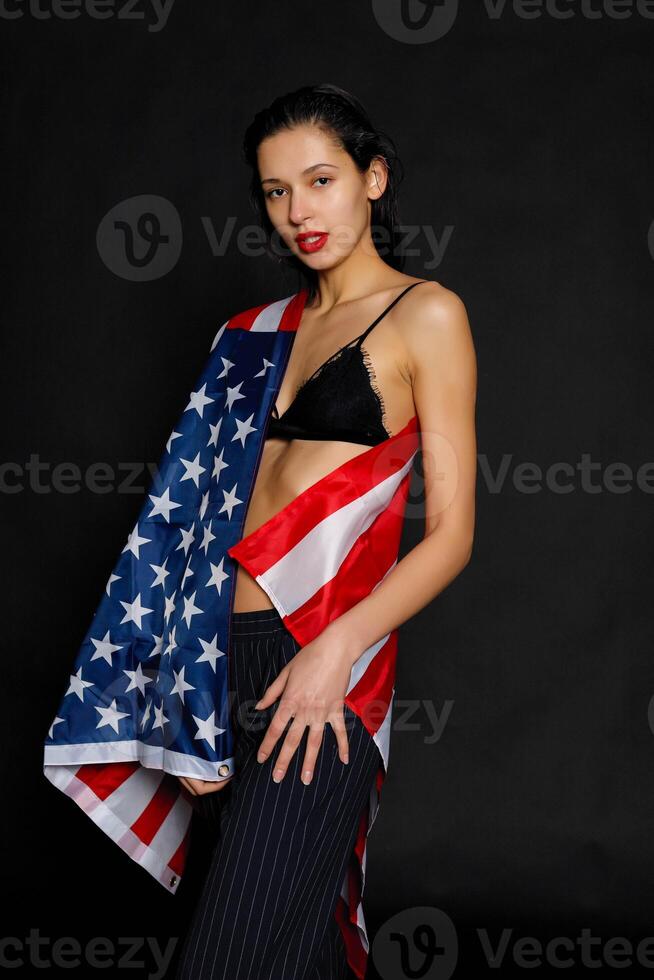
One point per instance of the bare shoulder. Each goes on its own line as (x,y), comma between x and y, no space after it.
(434,325)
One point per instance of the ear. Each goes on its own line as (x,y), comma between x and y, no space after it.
(377,177)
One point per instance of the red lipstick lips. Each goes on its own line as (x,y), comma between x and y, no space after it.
(311,241)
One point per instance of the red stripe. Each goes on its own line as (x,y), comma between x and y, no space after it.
(271,541)
(177,862)
(371,695)
(290,318)
(103,778)
(360,845)
(367,561)
(352,583)
(292,314)
(356,955)
(150,820)
(245,319)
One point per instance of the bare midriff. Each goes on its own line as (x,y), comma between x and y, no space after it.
(289,467)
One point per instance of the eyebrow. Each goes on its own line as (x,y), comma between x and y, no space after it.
(315,166)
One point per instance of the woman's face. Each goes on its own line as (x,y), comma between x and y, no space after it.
(311,185)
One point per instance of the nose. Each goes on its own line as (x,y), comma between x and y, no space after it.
(299,212)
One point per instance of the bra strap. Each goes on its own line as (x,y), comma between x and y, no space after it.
(390,306)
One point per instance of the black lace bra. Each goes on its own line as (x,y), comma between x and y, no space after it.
(340,400)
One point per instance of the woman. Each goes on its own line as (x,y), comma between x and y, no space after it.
(324,180)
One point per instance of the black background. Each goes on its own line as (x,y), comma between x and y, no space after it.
(530,139)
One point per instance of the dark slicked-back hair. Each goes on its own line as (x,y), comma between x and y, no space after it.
(342,117)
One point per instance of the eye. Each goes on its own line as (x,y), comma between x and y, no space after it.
(272,195)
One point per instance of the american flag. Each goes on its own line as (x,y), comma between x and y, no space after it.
(148,696)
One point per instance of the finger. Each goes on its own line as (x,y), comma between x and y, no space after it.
(276,728)
(273,691)
(288,749)
(184,781)
(314,741)
(338,724)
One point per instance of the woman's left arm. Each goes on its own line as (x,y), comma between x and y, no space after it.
(312,686)
(442,362)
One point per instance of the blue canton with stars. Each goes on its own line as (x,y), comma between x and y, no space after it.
(150,682)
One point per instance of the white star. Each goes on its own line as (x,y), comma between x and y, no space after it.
(208,537)
(219,465)
(77,685)
(204,504)
(159,718)
(134,542)
(173,435)
(231,500)
(157,646)
(207,729)
(187,539)
(104,648)
(55,722)
(215,429)
(110,716)
(162,572)
(146,714)
(137,679)
(198,400)
(163,504)
(243,430)
(232,395)
(172,644)
(134,611)
(193,470)
(187,571)
(180,685)
(210,652)
(218,575)
(266,365)
(190,609)
(170,606)
(112,578)
(227,364)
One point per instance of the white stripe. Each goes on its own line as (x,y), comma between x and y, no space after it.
(172,831)
(153,860)
(382,736)
(382,739)
(361,665)
(150,756)
(218,335)
(128,801)
(269,318)
(298,575)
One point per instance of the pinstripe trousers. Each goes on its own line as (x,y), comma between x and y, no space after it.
(266,911)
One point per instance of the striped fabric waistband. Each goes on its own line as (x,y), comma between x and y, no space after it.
(256,621)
